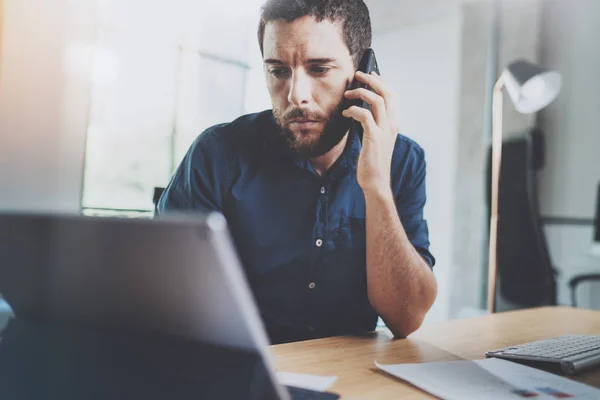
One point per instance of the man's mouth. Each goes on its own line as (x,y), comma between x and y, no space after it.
(304,123)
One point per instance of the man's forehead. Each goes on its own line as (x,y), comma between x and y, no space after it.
(304,37)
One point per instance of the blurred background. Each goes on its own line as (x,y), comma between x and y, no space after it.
(100,99)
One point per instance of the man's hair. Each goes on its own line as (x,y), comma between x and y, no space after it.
(353,15)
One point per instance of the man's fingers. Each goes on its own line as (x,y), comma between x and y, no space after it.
(375,100)
(365,117)
(378,85)
(389,96)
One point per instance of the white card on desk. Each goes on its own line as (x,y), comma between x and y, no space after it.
(304,381)
(491,378)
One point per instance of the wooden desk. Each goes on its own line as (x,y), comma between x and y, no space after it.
(351,358)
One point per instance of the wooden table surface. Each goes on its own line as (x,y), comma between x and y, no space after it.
(351,359)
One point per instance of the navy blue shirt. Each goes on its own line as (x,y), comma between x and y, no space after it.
(300,236)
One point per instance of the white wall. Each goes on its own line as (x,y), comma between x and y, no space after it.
(392,15)
(569,181)
(421,62)
(44,102)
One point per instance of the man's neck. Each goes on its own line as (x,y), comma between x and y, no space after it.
(322,163)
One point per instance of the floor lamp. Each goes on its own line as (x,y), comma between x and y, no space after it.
(531,88)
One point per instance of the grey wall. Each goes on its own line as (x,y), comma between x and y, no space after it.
(518,37)
(469,235)
(520,22)
(568,183)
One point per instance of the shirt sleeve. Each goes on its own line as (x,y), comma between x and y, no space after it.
(411,199)
(200,182)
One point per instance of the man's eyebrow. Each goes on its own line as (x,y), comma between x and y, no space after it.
(322,60)
(273,61)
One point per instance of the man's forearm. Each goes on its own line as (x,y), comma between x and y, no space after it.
(401,286)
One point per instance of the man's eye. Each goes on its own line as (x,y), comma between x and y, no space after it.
(278,72)
(319,70)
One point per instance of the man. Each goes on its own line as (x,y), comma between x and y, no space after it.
(330,229)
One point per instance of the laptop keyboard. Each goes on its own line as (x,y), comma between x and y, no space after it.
(557,348)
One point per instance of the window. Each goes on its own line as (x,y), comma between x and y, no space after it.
(163,72)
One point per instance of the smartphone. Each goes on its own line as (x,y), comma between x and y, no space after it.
(367,64)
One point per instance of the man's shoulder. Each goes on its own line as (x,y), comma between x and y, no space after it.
(408,150)
(238,133)
(408,164)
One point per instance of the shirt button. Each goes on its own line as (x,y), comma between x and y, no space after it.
(319,243)
(311,285)
(322,190)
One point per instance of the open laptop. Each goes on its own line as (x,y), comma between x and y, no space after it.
(177,275)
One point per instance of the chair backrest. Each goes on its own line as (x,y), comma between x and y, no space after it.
(158,191)
(525,271)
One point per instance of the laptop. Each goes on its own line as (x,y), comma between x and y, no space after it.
(176,275)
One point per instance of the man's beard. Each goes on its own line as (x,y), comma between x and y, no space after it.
(333,132)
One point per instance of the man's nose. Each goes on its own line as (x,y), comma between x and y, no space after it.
(300,89)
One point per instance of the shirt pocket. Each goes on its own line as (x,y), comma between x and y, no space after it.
(351,233)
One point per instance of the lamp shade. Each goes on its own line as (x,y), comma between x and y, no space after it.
(530,86)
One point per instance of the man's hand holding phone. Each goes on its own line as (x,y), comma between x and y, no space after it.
(380,131)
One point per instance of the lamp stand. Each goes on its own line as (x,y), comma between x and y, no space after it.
(497,110)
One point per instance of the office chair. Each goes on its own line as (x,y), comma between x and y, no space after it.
(158,191)
(525,272)
(577,280)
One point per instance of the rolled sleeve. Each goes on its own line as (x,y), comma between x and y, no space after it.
(411,199)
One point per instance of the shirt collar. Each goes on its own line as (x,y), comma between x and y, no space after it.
(349,158)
